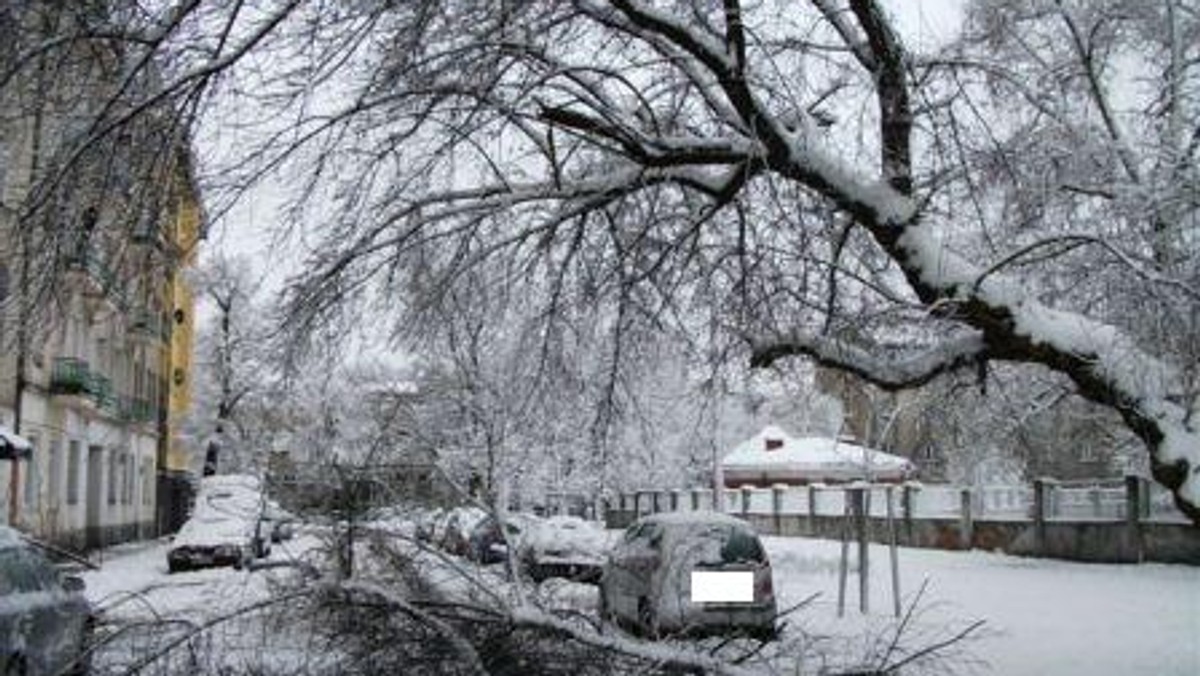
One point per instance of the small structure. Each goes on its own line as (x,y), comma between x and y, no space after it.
(773,457)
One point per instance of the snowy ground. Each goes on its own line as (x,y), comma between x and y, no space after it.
(1042,617)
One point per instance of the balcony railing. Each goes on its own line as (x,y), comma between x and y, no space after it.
(72,376)
(69,375)
(148,325)
(90,261)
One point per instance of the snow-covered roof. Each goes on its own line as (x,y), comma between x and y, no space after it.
(811,458)
(13,445)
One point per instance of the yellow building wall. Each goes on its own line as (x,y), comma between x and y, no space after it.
(185,233)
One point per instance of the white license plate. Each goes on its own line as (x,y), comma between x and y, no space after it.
(722,586)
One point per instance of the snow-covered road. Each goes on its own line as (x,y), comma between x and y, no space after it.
(1042,617)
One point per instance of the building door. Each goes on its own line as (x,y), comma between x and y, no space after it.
(95,496)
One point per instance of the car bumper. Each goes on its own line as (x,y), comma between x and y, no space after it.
(757,619)
(203,557)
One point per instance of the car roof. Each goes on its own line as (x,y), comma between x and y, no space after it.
(11,537)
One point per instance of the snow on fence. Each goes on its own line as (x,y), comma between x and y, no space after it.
(934,501)
(761,501)
(794,500)
(1014,502)
(1104,500)
(829,500)
(1077,501)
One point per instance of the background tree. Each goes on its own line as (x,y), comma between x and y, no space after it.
(781,181)
(234,366)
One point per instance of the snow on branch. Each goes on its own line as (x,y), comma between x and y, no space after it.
(886,373)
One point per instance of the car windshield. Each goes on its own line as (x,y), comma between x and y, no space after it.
(23,571)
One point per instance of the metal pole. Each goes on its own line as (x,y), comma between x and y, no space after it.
(864,565)
(891,520)
(844,561)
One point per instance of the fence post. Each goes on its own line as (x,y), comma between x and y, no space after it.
(908,498)
(1039,515)
(812,510)
(654,506)
(966,523)
(745,502)
(777,508)
(1135,487)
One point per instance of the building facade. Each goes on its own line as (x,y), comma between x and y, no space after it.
(95,313)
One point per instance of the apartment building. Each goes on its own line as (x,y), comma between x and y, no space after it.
(95,309)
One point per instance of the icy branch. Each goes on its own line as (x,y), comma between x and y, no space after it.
(889,374)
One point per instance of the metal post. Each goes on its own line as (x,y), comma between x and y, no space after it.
(844,560)
(777,508)
(966,523)
(893,551)
(858,507)
(1135,486)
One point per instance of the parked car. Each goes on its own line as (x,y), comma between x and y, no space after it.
(226,526)
(426,520)
(45,621)
(280,523)
(647,583)
(487,545)
(564,546)
(452,530)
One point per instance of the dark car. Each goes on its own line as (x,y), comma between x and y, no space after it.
(488,545)
(689,573)
(45,621)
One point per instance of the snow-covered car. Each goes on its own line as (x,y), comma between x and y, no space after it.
(425,521)
(452,531)
(689,573)
(226,526)
(488,545)
(45,621)
(279,523)
(564,546)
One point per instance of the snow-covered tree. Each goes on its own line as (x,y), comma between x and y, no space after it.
(233,366)
(784,179)
(792,180)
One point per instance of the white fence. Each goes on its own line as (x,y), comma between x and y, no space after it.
(1101,500)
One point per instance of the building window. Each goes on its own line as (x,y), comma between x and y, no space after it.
(54,489)
(130,484)
(1087,453)
(147,482)
(112,478)
(31,475)
(73,460)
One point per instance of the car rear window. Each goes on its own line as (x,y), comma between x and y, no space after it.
(742,547)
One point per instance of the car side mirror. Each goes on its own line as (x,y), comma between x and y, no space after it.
(73,584)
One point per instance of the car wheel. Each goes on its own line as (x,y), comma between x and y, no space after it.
(175,566)
(82,665)
(16,666)
(647,623)
(602,607)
